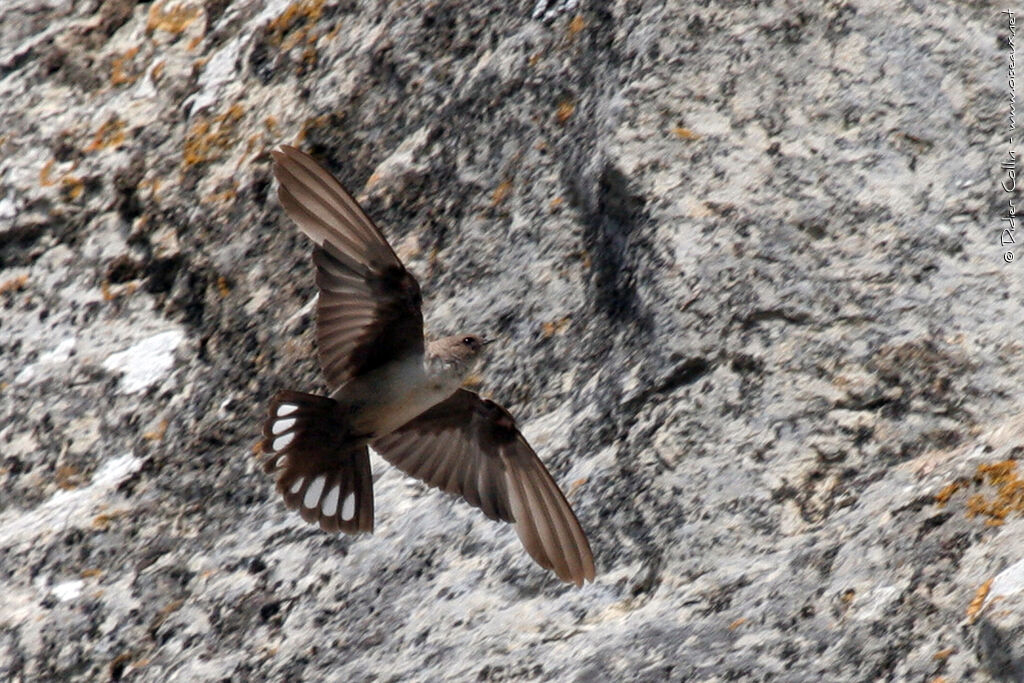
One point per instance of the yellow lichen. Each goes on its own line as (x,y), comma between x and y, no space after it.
(110,134)
(1009,494)
(564,111)
(501,192)
(158,432)
(979,601)
(44,174)
(943,496)
(221,197)
(15,284)
(293,24)
(73,187)
(67,477)
(685,133)
(173,20)
(576,25)
(208,138)
(995,507)
(120,74)
(554,327)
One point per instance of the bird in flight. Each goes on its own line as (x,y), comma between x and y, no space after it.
(393,390)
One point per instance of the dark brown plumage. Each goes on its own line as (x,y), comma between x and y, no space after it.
(398,394)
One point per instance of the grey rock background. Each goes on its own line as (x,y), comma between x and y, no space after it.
(744,262)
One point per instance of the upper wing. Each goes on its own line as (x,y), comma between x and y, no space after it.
(471,447)
(369,308)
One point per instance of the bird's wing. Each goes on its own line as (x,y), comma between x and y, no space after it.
(471,447)
(369,308)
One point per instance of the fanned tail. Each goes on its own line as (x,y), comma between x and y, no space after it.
(328,482)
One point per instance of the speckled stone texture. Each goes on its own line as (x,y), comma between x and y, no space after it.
(743,262)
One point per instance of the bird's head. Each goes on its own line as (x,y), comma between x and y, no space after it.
(460,350)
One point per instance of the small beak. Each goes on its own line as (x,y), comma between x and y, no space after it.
(485,342)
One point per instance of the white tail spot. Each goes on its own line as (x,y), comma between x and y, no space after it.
(282,442)
(297,484)
(348,508)
(314,491)
(330,502)
(286,409)
(282,425)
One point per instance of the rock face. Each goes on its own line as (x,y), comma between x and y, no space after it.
(744,263)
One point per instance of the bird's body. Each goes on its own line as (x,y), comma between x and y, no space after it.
(392,390)
(387,398)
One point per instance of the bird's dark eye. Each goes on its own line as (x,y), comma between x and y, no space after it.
(468,341)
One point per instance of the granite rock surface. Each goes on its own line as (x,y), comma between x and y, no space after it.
(744,262)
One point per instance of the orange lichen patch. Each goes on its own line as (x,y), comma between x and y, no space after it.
(293,24)
(310,124)
(158,70)
(221,197)
(120,71)
(564,111)
(67,477)
(271,123)
(576,25)
(158,433)
(102,521)
(207,138)
(534,59)
(167,611)
(194,43)
(174,20)
(72,186)
(330,35)
(554,327)
(474,380)
(309,56)
(943,496)
(736,624)
(555,203)
(501,192)
(151,184)
(1009,495)
(685,133)
(110,134)
(91,573)
(257,449)
(223,287)
(109,291)
(575,486)
(979,601)
(44,174)
(14,284)
(943,654)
